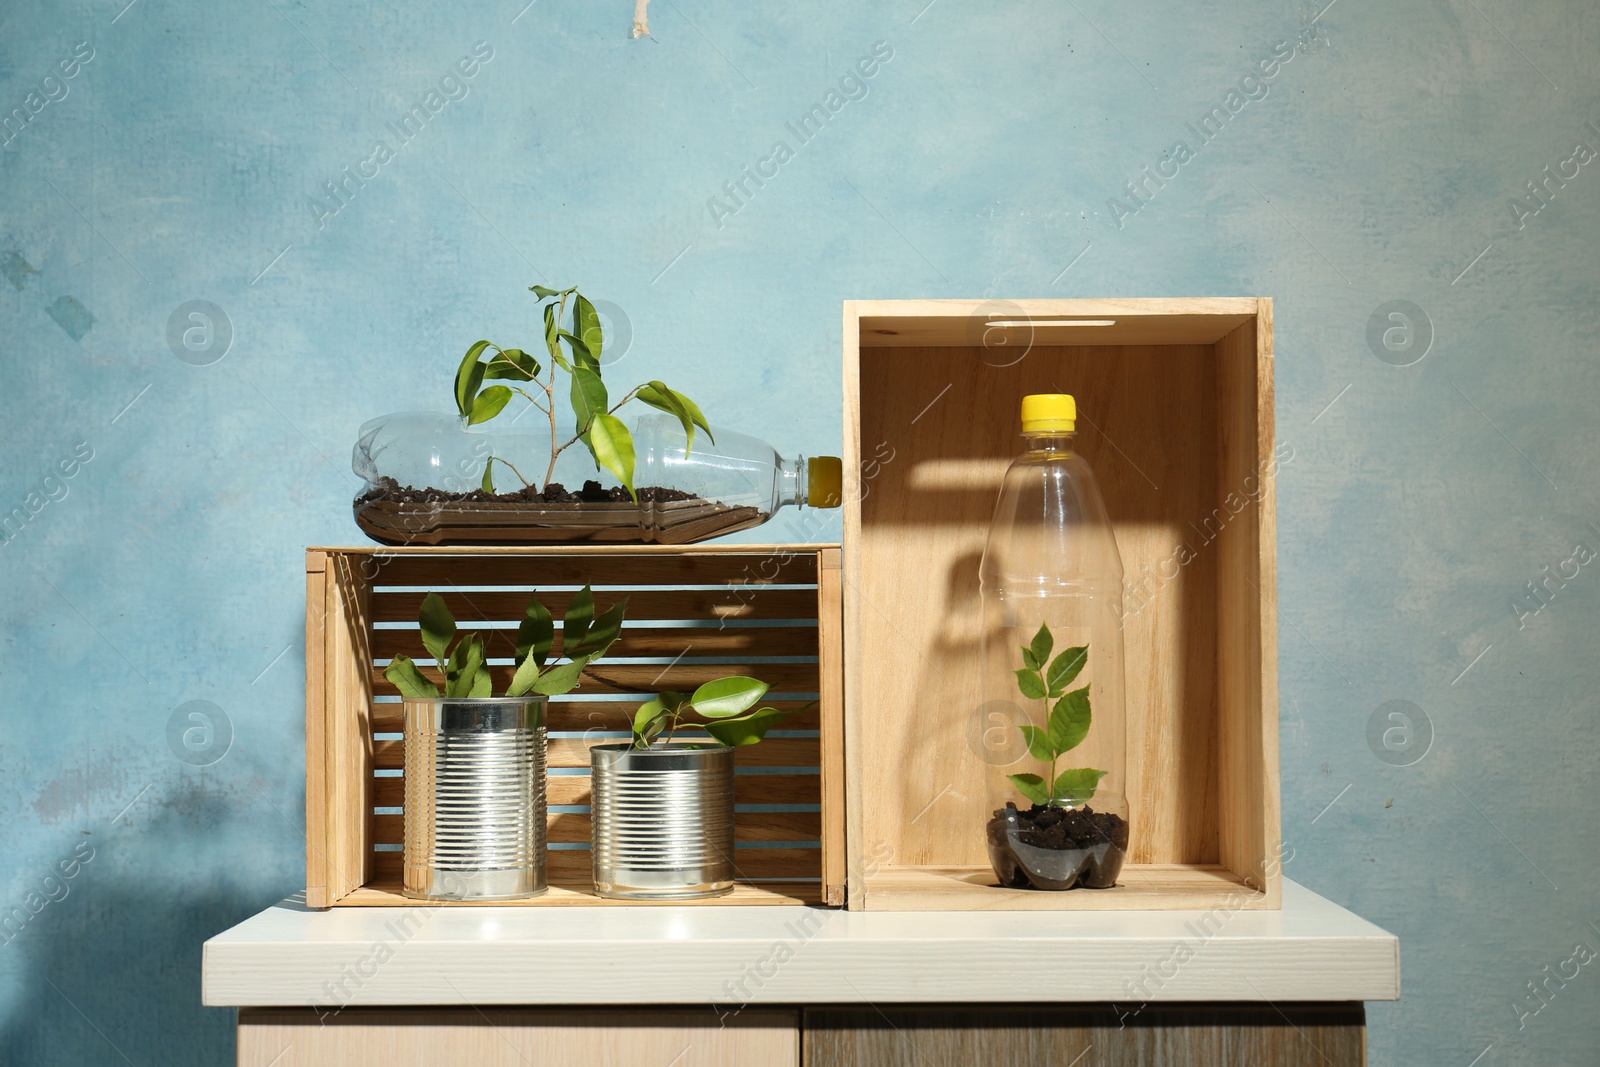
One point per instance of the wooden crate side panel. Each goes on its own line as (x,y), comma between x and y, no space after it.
(949,417)
(1246,608)
(852,579)
(348,763)
(317,876)
(830,656)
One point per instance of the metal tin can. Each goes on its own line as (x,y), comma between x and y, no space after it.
(474,798)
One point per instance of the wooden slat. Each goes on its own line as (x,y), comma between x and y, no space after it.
(575,889)
(780,567)
(1247,628)
(571,826)
(830,624)
(606,714)
(571,865)
(964,323)
(574,752)
(733,642)
(607,677)
(1140,887)
(752,602)
(380,554)
(855,674)
(573,789)
(317,873)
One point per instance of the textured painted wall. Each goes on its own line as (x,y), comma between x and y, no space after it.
(174,151)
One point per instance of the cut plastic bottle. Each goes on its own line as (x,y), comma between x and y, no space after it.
(424,474)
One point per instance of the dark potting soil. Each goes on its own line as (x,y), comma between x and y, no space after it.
(1058,828)
(390,491)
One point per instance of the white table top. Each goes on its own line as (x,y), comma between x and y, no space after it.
(289,955)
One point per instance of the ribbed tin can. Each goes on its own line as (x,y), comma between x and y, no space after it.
(662,821)
(475,798)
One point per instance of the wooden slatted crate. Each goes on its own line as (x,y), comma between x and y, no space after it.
(694,613)
(1175,417)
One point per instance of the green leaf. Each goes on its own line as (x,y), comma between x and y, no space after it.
(438,627)
(1030,786)
(1029,660)
(1043,643)
(464,667)
(1065,667)
(1038,742)
(1075,786)
(581,356)
(728,696)
(536,632)
(545,293)
(587,322)
(602,633)
(468,377)
(588,395)
(488,404)
(661,398)
(482,683)
(408,679)
(487,485)
(515,364)
(561,679)
(1028,681)
(522,681)
(746,729)
(1069,721)
(552,337)
(578,619)
(649,721)
(694,413)
(613,447)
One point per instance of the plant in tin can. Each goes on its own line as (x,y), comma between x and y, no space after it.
(462,660)
(723,708)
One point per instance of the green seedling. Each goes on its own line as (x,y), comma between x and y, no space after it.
(575,350)
(461,658)
(1066,722)
(723,706)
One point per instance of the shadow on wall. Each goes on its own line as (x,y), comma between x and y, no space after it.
(109,973)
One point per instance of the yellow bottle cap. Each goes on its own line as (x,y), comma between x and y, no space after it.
(1046,412)
(824,482)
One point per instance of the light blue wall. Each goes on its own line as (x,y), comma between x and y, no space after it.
(179,164)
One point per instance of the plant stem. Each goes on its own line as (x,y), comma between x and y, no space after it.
(1050,786)
(506,462)
(529,398)
(578,436)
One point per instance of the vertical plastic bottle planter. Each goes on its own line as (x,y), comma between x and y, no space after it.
(1051,582)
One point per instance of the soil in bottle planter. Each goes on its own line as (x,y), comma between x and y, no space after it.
(1057,848)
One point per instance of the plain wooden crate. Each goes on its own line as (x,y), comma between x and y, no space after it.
(1175,416)
(694,613)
